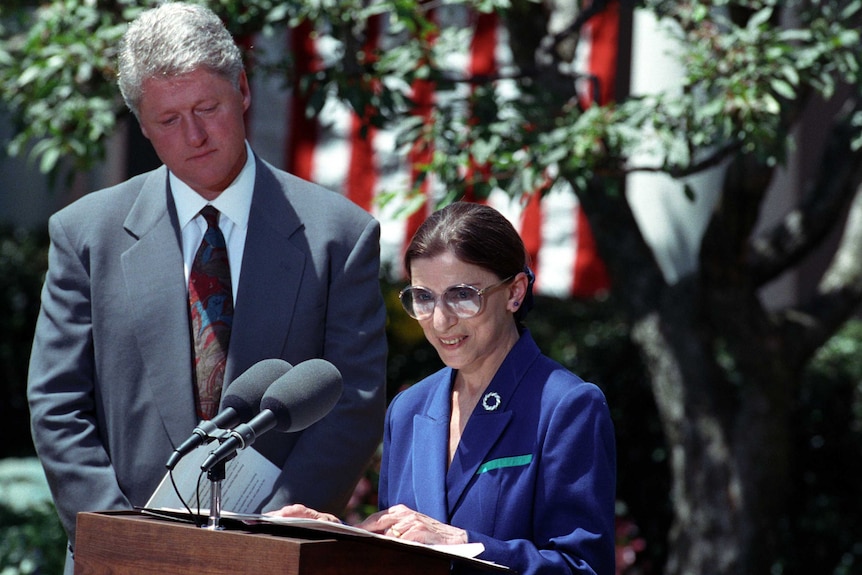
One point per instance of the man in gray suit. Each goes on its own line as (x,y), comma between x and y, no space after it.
(111,383)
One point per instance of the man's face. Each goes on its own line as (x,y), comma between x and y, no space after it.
(195,123)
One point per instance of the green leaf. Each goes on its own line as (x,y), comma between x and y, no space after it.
(783,89)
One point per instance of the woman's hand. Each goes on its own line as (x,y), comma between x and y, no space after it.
(404,523)
(302,512)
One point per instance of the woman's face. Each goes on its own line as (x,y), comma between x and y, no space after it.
(476,345)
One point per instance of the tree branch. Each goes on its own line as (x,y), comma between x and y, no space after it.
(724,242)
(824,202)
(838,296)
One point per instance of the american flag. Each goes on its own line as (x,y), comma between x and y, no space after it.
(330,149)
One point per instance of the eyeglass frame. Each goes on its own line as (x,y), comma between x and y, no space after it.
(437,298)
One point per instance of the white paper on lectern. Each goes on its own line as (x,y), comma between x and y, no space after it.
(464,550)
(249,480)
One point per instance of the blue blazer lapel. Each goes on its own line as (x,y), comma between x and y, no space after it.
(157,294)
(481,434)
(488,422)
(430,453)
(270,259)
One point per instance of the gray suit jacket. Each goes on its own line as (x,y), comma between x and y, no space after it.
(110,381)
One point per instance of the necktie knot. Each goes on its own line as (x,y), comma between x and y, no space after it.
(210,214)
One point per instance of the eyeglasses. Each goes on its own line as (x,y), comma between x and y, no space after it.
(461,300)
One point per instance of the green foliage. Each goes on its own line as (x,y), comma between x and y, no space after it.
(23,260)
(31,538)
(57,78)
(743,71)
(820,530)
(31,541)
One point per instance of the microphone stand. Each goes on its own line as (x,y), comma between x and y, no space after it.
(216,475)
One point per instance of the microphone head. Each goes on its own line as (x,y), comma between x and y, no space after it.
(304,395)
(246,391)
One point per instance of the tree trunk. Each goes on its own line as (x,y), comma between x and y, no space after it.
(728,437)
(722,384)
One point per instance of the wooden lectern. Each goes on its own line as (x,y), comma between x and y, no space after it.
(133,543)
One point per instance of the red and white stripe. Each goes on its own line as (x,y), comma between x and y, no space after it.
(329,150)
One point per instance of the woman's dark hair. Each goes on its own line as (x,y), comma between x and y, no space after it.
(476,234)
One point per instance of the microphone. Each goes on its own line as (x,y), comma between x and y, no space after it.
(241,402)
(295,401)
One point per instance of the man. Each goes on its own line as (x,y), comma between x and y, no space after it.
(112,383)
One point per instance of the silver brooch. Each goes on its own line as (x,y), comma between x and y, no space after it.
(491,401)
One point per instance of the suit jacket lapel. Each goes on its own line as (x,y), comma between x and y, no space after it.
(489,419)
(431,452)
(481,434)
(156,291)
(272,268)
(486,426)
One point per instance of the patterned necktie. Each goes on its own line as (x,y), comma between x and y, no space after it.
(211,311)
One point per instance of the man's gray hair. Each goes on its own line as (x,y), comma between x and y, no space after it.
(171,40)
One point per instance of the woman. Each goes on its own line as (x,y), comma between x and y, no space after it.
(503,446)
